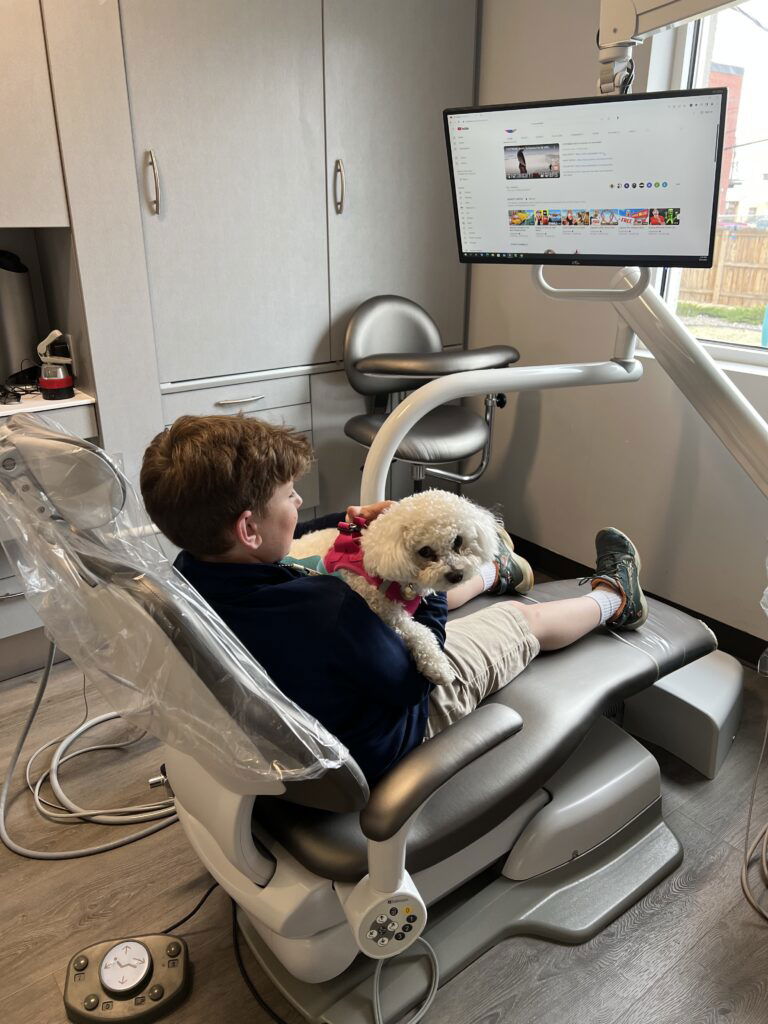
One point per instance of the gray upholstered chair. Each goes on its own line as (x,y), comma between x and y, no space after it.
(392,346)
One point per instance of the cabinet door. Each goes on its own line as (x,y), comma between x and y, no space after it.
(31,180)
(391,68)
(229,97)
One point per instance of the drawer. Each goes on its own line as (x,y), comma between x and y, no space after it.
(250,398)
(77,419)
(16,614)
(5,570)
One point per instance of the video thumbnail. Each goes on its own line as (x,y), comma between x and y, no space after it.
(668,217)
(521,218)
(541,161)
(575,218)
(636,218)
(604,218)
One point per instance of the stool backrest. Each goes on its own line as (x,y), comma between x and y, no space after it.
(387,324)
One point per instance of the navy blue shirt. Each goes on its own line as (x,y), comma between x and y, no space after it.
(326,650)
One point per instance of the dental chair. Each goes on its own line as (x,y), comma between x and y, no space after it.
(392,345)
(536,814)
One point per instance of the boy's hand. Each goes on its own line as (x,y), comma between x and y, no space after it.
(368,512)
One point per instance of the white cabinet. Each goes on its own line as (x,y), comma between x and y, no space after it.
(229,98)
(31,180)
(390,70)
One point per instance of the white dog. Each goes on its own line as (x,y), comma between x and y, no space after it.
(425,543)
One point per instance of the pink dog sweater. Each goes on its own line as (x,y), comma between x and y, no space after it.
(347,553)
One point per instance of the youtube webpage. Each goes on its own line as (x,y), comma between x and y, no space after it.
(621,179)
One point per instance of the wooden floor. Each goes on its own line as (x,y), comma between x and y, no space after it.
(691,952)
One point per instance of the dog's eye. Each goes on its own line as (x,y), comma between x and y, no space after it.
(457,543)
(426,553)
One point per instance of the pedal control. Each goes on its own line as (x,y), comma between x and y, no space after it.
(135,979)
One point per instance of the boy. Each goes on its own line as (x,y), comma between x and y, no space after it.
(222,489)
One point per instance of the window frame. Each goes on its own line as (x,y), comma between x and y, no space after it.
(691,41)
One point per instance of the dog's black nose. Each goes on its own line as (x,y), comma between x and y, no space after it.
(454,576)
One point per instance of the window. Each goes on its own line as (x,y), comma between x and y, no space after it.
(727,304)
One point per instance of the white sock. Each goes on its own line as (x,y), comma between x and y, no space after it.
(608,601)
(487,573)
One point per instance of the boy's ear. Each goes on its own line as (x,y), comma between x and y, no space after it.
(247,531)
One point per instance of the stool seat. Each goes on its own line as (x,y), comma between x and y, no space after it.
(446,434)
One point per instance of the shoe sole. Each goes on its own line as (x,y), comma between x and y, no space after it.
(643,603)
(527,581)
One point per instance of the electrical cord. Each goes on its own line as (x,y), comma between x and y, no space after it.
(161,815)
(761,841)
(430,997)
(200,902)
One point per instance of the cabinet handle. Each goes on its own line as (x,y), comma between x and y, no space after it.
(339,180)
(154,203)
(238,401)
(7,597)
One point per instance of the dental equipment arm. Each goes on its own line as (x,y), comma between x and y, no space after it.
(623,23)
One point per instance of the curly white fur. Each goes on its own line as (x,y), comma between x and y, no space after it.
(430,542)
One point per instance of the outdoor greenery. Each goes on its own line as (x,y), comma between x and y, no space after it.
(733,314)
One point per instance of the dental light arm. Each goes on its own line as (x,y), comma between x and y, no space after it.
(623,23)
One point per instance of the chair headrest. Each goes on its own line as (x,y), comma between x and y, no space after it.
(78,480)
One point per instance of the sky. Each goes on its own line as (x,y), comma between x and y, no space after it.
(741,42)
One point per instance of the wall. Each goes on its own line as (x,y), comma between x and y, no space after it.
(635,456)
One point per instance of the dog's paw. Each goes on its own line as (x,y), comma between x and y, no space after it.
(436,668)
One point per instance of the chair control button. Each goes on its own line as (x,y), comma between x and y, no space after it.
(79,964)
(156,992)
(173,949)
(392,926)
(372,934)
(91,1002)
(382,919)
(393,911)
(383,940)
(411,918)
(399,936)
(407,927)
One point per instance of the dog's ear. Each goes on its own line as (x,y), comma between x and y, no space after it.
(386,552)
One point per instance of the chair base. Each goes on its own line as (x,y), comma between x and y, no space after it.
(570,905)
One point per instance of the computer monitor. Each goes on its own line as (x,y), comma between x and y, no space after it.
(602,181)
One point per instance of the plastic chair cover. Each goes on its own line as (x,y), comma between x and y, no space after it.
(78,538)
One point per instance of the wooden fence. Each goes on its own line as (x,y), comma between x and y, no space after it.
(739,274)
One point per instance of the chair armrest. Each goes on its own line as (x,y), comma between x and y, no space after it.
(424,770)
(429,365)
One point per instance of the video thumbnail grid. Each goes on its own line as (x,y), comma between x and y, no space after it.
(653,217)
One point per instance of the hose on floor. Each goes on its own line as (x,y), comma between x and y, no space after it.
(161,814)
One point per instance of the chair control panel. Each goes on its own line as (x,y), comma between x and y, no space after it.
(136,979)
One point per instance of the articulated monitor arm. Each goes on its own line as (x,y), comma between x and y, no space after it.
(623,23)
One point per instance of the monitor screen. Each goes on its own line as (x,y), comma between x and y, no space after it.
(601,181)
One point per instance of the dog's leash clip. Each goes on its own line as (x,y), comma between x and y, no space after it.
(357,525)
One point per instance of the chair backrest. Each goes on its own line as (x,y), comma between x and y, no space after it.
(80,541)
(387,324)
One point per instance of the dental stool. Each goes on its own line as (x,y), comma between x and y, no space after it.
(534,815)
(392,346)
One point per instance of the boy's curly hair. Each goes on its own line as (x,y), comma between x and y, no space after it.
(202,472)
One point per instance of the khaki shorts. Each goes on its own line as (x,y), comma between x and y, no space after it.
(487,649)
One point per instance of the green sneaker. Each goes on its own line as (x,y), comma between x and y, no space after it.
(618,565)
(514,573)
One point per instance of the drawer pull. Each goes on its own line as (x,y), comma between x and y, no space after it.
(7,597)
(239,401)
(152,161)
(339,186)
